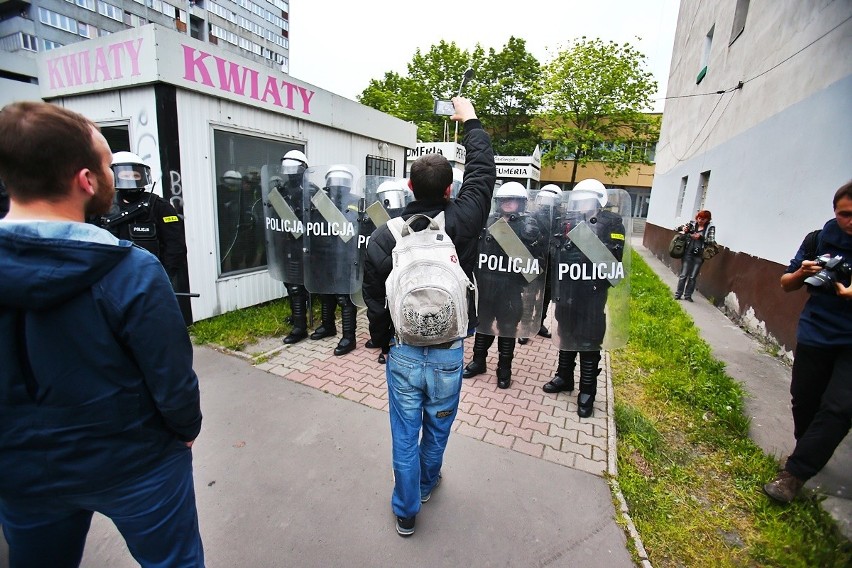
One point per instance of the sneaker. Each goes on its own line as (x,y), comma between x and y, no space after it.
(784,488)
(405,526)
(424,498)
(688,298)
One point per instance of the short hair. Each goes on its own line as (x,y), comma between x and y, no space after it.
(705,214)
(844,191)
(42,146)
(431,175)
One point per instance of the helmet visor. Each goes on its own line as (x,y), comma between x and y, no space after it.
(131,176)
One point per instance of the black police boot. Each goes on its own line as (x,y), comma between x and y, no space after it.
(589,372)
(564,378)
(506,350)
(327,327)
(544,332)
(348,313)
(481,343)
(299,311)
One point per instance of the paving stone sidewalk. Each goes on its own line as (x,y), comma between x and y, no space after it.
(522,418)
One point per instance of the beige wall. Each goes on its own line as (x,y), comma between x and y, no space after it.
(639,175)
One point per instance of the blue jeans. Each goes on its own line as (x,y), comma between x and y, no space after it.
(155,513)
(424,384)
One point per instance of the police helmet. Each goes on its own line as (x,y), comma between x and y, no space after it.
(392,193)
(549,196)
(588,194)
(130,172)
(294,162)
(552,188)
(232,179)
(341,177)
(509,194)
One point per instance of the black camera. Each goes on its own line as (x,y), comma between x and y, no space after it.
(833,269)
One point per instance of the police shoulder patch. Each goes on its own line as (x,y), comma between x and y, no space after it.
(171,219)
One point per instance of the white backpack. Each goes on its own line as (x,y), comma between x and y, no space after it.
(427,287)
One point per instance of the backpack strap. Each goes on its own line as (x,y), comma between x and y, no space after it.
(811,244)
(395,227)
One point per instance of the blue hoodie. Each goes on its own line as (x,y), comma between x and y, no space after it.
(826,320)
(96,379)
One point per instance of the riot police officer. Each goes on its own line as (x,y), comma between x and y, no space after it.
(289,257)
(332,252)
(510,289)
(548,200)
(145,218)
(580,294)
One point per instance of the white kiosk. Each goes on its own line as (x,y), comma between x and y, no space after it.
(202,117)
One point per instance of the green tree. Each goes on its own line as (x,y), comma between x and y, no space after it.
(507,96)
(597,95)
(403,98)
(505,91)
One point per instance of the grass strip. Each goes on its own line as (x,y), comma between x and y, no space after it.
(689,472)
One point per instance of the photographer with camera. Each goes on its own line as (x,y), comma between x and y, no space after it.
(821,388)
(701,233)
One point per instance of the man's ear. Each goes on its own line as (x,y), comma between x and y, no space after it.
(83,180)
(448,192)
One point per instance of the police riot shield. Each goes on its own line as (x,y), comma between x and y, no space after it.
(283,221)
(590,270)
(384,198)
(331,196)
(511,268)
(458,178)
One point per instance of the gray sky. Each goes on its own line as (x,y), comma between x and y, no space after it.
(339,45)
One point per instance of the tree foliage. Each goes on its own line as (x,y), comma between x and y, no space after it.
(507,96)
(596,98)
(590,101)
(504,91)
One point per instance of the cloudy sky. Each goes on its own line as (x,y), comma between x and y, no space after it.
(339,45)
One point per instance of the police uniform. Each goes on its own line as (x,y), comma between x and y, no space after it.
(579,305)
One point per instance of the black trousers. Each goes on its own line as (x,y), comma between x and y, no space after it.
(822,406)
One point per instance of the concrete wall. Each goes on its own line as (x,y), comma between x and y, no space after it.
(774,145)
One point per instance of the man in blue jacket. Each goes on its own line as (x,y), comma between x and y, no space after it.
(99,404)
(424,383)
(821,387)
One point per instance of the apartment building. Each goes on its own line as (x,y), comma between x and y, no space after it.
(756,130)
(254,29)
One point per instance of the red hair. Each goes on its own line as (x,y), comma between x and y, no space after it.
(704,213)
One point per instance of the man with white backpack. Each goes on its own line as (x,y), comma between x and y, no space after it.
(420,326)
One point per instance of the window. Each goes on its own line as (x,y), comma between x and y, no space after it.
(739,20)
(110,11)
(49,44)
(681,196)
(57,20)
(705,58)
(240,219)
(87,4)
(703,186)
(29,42)
(379,166)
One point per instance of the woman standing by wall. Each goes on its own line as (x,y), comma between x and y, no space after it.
(701,233)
